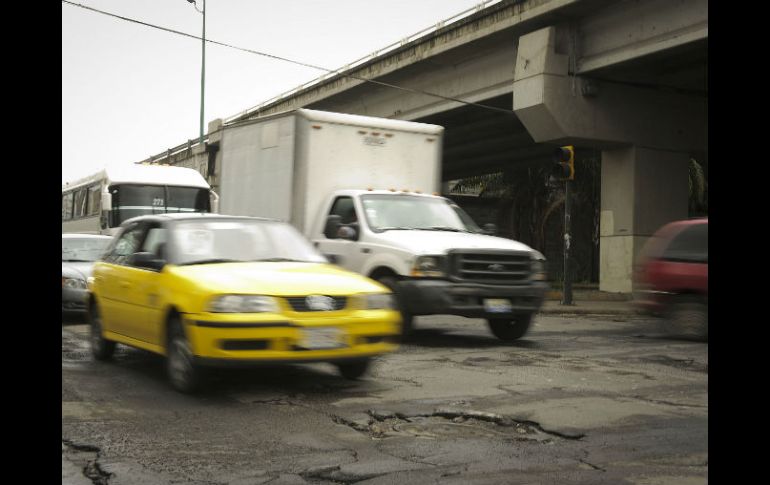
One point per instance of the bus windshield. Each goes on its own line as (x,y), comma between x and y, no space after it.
(130,200)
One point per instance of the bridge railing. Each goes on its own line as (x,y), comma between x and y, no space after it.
(348,67)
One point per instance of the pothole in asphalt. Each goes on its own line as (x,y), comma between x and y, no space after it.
(451,424)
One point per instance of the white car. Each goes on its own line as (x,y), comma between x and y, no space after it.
(78,253)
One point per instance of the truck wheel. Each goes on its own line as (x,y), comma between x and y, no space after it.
(353,370)
(407,318)
(512,329)
(182,371)
(101,348)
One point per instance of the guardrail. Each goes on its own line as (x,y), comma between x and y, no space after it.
(346,68)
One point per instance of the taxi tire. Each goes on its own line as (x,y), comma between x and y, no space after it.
(510,329)
(355,369)
(101,348)
(407,319)
(182,372)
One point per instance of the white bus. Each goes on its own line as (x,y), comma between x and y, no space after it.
(98,204)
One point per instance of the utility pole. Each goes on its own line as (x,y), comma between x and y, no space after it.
(203,63)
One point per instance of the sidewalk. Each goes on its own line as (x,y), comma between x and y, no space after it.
(589,301)
(584,307)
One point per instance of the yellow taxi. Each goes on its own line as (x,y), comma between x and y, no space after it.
(213,290)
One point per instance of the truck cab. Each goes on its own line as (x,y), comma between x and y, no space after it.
(433,256)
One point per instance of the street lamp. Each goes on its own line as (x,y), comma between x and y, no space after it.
(203,61)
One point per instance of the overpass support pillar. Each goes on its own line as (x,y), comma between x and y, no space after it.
(646,136)
(642,189)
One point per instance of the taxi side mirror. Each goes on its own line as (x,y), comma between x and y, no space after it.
(146,260)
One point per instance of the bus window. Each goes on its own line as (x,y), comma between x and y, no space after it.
(136,200)
(187,199)
(80,203)
(66,206)
(94,199)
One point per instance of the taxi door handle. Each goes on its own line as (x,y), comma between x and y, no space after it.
(125,284)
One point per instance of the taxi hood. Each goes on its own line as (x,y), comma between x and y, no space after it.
(277,279)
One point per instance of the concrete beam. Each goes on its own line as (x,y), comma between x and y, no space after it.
(558,107)
(630,30)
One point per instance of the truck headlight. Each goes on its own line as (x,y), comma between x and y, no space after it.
(73,283)
(378,301)
(243,304)
(432,266)
(538,269)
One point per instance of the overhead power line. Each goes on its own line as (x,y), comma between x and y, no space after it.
(279,58)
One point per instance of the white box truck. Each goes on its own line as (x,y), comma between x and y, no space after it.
(364,191)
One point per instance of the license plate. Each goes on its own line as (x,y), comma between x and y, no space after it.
(322,338)
(497,305)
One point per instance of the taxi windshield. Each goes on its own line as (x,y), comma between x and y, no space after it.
(238,240)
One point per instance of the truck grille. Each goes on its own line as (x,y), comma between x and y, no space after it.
(302,304)
(493,267)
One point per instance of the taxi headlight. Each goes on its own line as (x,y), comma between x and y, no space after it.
(243,304)
(378,301)
(73,283)
(429,266)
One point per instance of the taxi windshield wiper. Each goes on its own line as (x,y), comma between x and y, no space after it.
(280,260)
(212,261)
(77,261)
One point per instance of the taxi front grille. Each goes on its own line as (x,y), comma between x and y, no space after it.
(315,304)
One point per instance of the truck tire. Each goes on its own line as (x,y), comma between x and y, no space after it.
(101,348)
(510,329)
(183,374)
(354,369)
(407,319)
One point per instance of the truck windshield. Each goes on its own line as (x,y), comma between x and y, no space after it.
(238,240)
(129,200)
(399,211)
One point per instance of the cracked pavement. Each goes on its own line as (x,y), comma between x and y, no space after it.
(581,399)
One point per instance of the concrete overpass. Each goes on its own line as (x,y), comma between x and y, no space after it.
(627,77)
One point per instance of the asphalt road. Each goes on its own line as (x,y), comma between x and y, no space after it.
(581,399)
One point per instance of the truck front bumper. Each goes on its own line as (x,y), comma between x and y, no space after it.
(429,297)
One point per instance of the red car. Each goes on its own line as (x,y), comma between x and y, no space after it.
(672,276)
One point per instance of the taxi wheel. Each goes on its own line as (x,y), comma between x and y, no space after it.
(101,348)
(182,371)
(511,329)
(407,319)
(354,370)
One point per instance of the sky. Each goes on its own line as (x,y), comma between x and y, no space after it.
(130,91)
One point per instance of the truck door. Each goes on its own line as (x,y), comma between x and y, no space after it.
(344,252)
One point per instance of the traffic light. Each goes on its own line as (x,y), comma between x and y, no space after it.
(564,163)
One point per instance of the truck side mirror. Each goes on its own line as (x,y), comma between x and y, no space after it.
(106,201)
(349,232)
(333,222)
(489,229)
(214,202)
